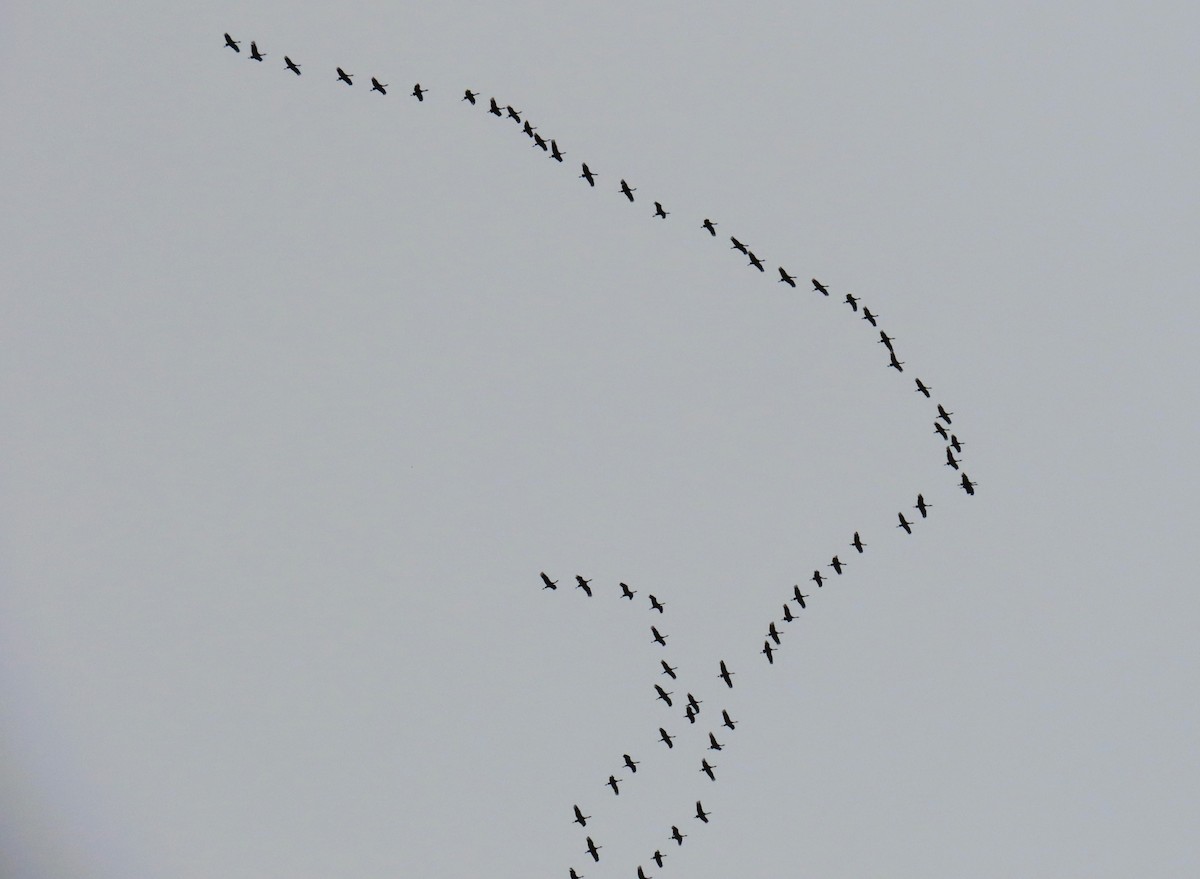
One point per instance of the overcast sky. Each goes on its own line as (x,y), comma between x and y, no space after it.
(303,385)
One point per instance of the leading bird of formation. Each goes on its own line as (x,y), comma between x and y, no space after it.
(773,640)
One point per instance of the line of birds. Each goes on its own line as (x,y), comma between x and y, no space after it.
(691,712)
(348,78)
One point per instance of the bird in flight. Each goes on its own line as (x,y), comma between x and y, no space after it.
(944,415)
(659,638)
(922,506)
(868,317)
(694,703)
(626,592)
(968,485)
(667,670)
(345,77)
(755,261)
(941,431)
(513,114)
(529,129)
(665,738)
(726,675)
(710,226)
(897,365)
(291,65)
(707,768)
(729,721)
(956,443)
(852,301)
(690,713)
(664,695)
(886,340)
(658,210)
(631,763)
(676,835)
(787,612)
(588,175)
(581,583)
(628,190)
(539,141)
(773,633)
(418,92)
(548,583)
(555,152)
(642,874)
(254,53)
(837,565)
(494,109)
(785,278)
(905,524)
(232,43)
(377,86)
(950,460)
(575,875)
(655,604)
(612,782)
(658,857)
(470,96)
(768,652)
(817,578)
(700,813)
(798,595)
(580,818)
(593,849)
(857,543)
(737,245)
(713,744)
(818,287)
(923,388)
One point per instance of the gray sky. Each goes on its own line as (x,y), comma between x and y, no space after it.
(304,385)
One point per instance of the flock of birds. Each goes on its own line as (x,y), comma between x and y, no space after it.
(773,640)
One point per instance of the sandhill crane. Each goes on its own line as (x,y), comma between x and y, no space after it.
(768,652)
(667,670)
(710,226)
(539,141)
(852,301)
(897,365)
(950,459)
(728,721)
(755,261)
(659,638)
(956,443)
(798,595)
(713,744)
(773,633)
(575,875)
(857,543)
(548,583)
(626,592)
(291,65)
(612,782)
(470,96)
(886,340)
(663,695)
(818,579)
(941,431)
(256,55)
(868,317)
(377,86)
(726,675)
(837,565)
(588,175)
(785,278)
(555,152)
(513,114)
(641,874)
(665,738)
(690,713)
(700,813)
(494,109)
(581,583)
(580,818)
(707,768)
(905,524)
(627,190)
(631,763)
(593,849)
(921,506)
(232,43)
(737,245)
(694,702)
(923,388)
(787,613)
(418,92)
(943,414)
(658,857)
(658,210)
(655,604)
(818,287)
(676,835)
(529,129)
(968,485)
(345,77)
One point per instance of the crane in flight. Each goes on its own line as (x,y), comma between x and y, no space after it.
(921,506)
(700,813)
(655,604)
(663,695)
(941,431)
(818,287)
(580,818)
(658,210)
(837,565)
(710,226)
(694,703)
(886,340)
(513,114)
(923,388)
(897,365)
(658,857)
(857,543)
(726,675)
(943,414)
(575,875)
(852,301)
(631,763)
(593,849)
(768,652)
(968,485)
(470,96)
(869,317)
(690,713)
(626,592)
(627,190)
(950,459)
(377,86)
(798,595)
(905,524)
(345,77)
(528,129)
(555,152)
(641,874)
(665,738)
(737,245)
(256,55)
(612,782)
(956,443)
(787,612)
(418,92)
(232,43)
(494,109)
(539,141)
(581,583)
(667,670)
(659,638)
(785,278)
(755,261)
(773,633)
(676,835)
(707,768)
(548,583)
(588,175)
(713,744)
(291,65)
(728,721)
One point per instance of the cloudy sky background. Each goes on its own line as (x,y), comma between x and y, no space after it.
(303,386)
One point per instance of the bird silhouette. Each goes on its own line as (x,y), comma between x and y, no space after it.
(941,431)
(528,129)
(950,459)
(345,77)
(726,675)
(857,543)
(658,857)
(377,86)
(773,633)
(549,584)
(868,317)
(232,43)
(755,261)
(658,210)
(593,849)
(798,595)
(956,444)
(943,414)
(886,340)
(852,301)
(737,245)
(588,175)
(631,763)
(713,744)
(768,652)
(470,96)
(555,152)
(707,768)
(818,287)
(710,226)
(676,835)
(663,695)
(539,141)
(785,278)
(922,506)
(659,639)
(923,388)
(897,365)
(612,782)
(728,721)
(291,65)
(628,190)
(837,565)
(968,485)
(787,612)
(665,737)
(256,55)
(513,114)
(626,592)
(700,813)
(418,92)
(655,604)
(580,818)
(818,579)
(581,583)
(667,670)
(905,524)
(494,109)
